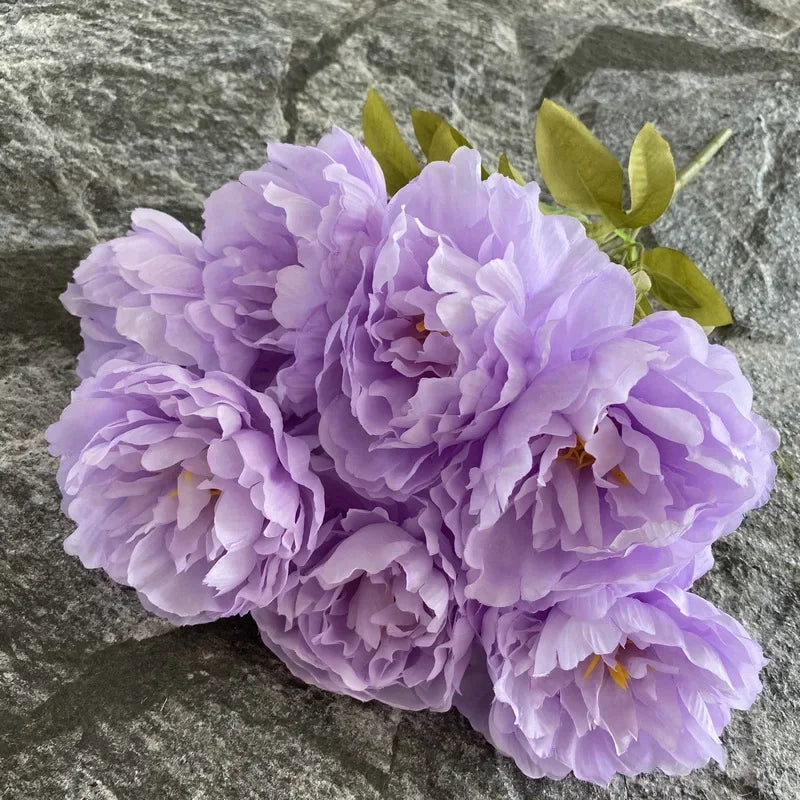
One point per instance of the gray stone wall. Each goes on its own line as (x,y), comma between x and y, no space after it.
(106,105)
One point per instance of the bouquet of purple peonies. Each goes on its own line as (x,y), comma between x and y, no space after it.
(430,432)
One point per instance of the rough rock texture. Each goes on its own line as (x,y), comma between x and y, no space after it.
(105,106)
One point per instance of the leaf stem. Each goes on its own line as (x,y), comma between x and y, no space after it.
(692,169)
(549,208)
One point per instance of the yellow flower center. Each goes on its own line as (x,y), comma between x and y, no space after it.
(618,673)
(422,331)
(578,454)
(186,475)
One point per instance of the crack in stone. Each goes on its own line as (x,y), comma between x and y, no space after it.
(750,9)
(393,756)
(608,47)
(742,240)
(130,679)
(319,55)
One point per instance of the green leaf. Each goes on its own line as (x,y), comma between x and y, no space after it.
(671,294)
(383,139)
(577,168)
(678,284)
(547,208)
(443,144)
(505,168)
(651,175)
(599,231)
(642,308)
(426,124)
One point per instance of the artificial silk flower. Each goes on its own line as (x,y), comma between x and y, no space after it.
(600,686)
(472,292)
(131,293)
(438,444)
(186,488)
(616,468)
(284,248)
(377,613)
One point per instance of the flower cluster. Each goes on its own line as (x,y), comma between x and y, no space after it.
(422,441)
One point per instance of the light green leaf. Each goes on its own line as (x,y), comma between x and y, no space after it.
(651,175)
(383,139)
(577,168)
(641,281)
(548,208)
(505,168)
(678,284)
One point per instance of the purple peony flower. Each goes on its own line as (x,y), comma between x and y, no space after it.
(130,294)
(472,292)
(295,228)
(618,467)
(376,614)
(642,683)
(284,246)
(186,488)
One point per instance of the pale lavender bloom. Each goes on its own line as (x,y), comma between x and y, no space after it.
(620,467)
(130,294)
(472,292)
(600,686)
(280,254)
(331,200)
(375,614)
(186,488)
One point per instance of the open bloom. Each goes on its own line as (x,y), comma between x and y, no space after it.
(471,292)
(130,295)
(376,614)
(186,488)
(280,254)
(619,467)
(283,247)
(646,682)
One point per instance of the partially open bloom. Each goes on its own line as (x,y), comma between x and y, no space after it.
(472,291)
(642,683)
(186,488)
(376,613)
(130,295)
(618,468)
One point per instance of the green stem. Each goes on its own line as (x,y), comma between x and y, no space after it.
(691,170)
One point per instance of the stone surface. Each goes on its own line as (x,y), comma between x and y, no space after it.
(105,106)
